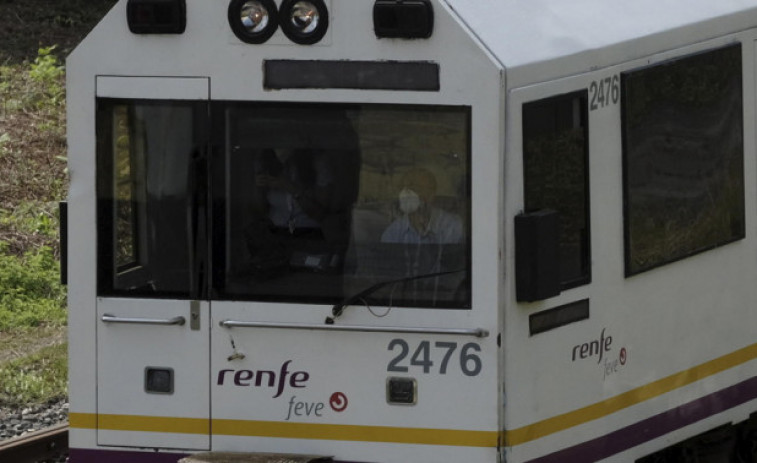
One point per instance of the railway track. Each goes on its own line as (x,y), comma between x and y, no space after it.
(36,446)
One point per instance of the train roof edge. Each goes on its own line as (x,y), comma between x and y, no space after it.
(540,40)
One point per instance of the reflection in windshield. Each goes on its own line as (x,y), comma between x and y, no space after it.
(322,202)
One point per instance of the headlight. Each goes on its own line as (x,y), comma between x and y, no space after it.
(253,21)
(304,21)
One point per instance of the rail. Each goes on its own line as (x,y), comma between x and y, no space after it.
(36,446)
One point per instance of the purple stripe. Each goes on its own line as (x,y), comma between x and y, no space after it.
(656,426)
(118,456)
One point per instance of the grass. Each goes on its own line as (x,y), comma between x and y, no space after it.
(32,180)
(32,308)
(37,378)
(32,295)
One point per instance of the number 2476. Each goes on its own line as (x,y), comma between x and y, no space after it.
(604,92)
(427,357)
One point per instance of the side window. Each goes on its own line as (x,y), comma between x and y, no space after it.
(555,164)
(683,157)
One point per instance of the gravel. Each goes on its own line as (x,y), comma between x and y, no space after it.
(16,422)
(19,421)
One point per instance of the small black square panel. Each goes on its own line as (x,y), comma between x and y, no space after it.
(159,380)
(405,19)
(402,391)
(156,16)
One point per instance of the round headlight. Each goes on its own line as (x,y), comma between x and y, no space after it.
(304,21)
(253,21)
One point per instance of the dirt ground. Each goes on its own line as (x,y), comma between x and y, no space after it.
(27,25)
(17,345)
(32,139)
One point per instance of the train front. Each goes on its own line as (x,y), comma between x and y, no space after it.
(283,233)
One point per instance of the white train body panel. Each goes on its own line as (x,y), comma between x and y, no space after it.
(661,353)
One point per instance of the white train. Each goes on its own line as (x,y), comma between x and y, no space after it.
(414,231)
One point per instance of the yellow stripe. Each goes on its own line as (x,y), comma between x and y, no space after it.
(286,430)
(640,394)
(357,433)
(153,424)
(82,420)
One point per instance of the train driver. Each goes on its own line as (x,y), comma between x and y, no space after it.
(421,222)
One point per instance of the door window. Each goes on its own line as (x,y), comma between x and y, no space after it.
(147,190)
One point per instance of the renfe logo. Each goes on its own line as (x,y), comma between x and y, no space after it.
(266,378)
(595,347)
(602,347)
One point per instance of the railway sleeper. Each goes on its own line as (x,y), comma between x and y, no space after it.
(232,457)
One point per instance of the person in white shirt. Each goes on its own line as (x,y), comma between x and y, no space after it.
(430,241)
(421,222)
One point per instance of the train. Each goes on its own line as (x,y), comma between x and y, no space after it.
(413,231)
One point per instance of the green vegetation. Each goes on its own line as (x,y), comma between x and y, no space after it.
(32,181)
(32,295)
(37,378)
(32,133)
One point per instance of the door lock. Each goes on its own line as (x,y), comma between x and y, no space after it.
(194,315)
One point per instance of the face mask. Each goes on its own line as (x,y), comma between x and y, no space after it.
(409,201)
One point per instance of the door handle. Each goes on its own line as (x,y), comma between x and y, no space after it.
(108,318)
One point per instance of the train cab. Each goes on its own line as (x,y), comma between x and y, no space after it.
(411,230)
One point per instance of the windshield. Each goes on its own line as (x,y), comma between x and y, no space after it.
(284,203)
(323,201)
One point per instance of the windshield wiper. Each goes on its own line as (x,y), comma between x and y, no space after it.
(339,307)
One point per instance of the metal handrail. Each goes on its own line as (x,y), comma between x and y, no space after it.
(475,332)
(108,318)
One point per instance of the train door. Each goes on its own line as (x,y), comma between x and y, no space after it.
(152,309)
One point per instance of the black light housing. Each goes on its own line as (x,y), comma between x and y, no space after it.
(537,255)
(304,21)
(63,233)
(159,380)
(253,21)
(404,19)
(402,391)
(156,16)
